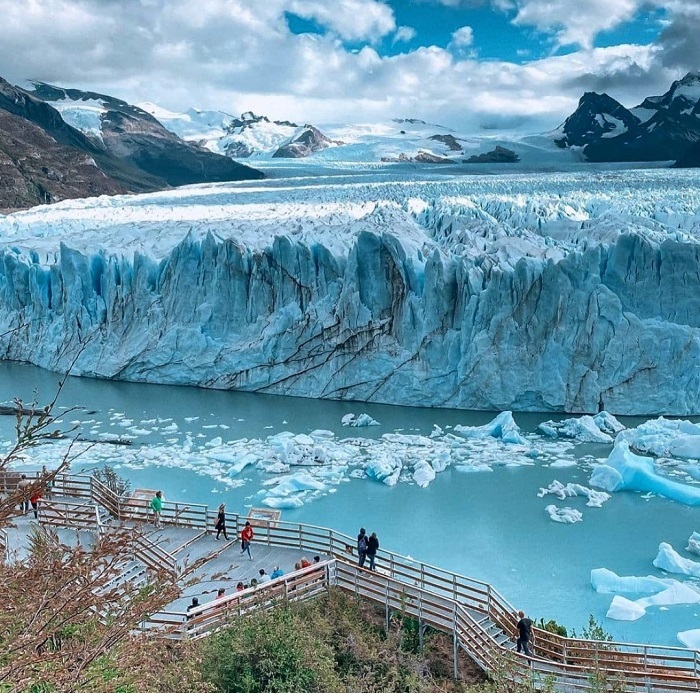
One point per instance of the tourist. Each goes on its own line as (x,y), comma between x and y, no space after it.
(156,506)
(361,547)
(372,548)
(193,605)
(221,594)
(264,577)
(48,481)
(220,525)
(277,572)
(23,486)
(246,538)
(304,562)
(297,565)
(34,500)
(524,633)
(317,559)
(253,583)
(240,587)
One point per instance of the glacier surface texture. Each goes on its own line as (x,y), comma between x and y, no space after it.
(568,292)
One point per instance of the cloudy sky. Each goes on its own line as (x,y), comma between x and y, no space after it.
(471,64)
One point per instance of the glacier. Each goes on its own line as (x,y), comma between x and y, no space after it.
(572,292)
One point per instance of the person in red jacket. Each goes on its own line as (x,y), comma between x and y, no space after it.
(34,500)
(246,538)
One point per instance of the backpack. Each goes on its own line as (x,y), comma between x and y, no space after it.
(362,543)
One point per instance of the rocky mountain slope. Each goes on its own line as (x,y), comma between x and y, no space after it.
(97,146)
(661,128)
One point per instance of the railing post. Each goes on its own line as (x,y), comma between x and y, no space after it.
(488,600)
(300,536)
(386,608)
(420,622)
(455,644)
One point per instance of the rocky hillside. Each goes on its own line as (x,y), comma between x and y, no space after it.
(118,149)
(661,128)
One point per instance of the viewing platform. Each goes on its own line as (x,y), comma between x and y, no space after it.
(479,620)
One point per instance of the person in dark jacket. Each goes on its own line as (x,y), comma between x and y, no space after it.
(220,525)
(372,548)
(361,547)
(524,633)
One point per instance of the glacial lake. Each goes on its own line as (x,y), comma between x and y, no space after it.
(490,525)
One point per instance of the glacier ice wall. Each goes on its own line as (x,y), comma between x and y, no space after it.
(477,301)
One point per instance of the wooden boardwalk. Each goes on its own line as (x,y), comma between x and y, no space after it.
(480,621)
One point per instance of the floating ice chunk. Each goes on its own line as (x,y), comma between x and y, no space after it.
(606,581)
(215,442)
(564,515)
(623,609)
(361,420)
(281,503)
(384,469)
(625,471)
(423,474)
(680,593)
(608,423)
(190,419)
(585,429)
(694,544)
(690,638)
(561,464)
(669,560)
(321,434)
(570,490)
(665,438)
(297,482)
(139,431)
(503,427)
(302,439)
(467,468)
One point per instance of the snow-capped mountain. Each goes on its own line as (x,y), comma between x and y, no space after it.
(134,136)
(562,292)
(661,128)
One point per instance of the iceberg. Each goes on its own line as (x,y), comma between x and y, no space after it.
(690,638)
(694,544)
(623,609)
(669,560)
(665,438)
(564,515)
(571,490)
(585,429)
(679,593)
(625,471)
(606,581)
(503,427)
(359,421)
(495,293)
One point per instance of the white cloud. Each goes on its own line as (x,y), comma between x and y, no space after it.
(405,34)
(576,21)
(353,20)
(235,55)
(463,37)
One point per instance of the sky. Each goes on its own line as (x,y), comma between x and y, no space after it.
(473,65)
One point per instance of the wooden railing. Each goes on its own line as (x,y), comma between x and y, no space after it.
(208,618)
(152,555)
(69,514)
(4,547)
(436,591)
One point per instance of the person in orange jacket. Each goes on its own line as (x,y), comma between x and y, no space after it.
(246,538)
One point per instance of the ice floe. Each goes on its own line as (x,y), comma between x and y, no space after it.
(690,638)
(694,543)
(625,471)
(359,421)
(600,428)
(571,490)
(672,562)
(606,581)
(503,427)
(623,609)
(665,438)
(564,515)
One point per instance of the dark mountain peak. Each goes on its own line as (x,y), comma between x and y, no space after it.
(597,115)
(304,143)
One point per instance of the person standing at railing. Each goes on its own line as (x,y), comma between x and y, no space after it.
(23,487)
(156,507)
(246,539)
(220,525)
(361,547)
(372,548)
(524,627)
(35,499)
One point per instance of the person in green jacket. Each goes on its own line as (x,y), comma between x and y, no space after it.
(156,506)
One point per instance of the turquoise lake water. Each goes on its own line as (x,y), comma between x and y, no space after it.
(489,525)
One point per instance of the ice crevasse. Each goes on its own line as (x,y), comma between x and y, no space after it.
(481,297)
